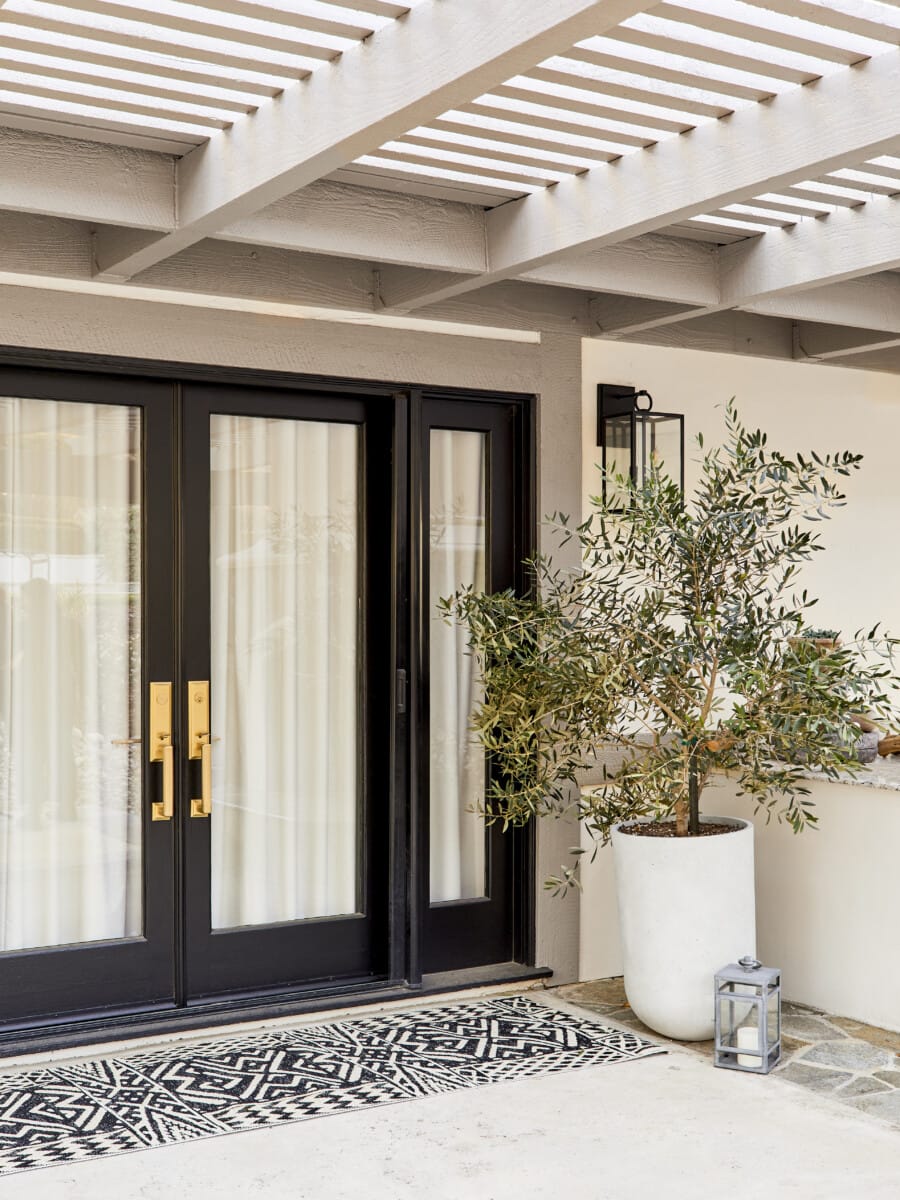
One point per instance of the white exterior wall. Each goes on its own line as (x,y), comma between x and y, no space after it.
(54,320)
(827,900)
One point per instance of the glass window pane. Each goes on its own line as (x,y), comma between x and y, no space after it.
(70,673)
(284,686)
(457,557)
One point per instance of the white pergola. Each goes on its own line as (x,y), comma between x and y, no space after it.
(721,174)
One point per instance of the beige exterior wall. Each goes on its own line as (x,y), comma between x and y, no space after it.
(825,899)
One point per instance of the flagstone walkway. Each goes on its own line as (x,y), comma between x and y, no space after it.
(855,1063)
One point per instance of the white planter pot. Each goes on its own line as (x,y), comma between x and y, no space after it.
(686,908)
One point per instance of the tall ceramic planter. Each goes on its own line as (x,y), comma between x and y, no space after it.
(686,907)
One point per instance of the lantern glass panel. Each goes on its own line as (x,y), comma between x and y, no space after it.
(659,435)
(617,455)
(739,1026)
(773,1018)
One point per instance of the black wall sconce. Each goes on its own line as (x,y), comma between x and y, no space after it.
(629,431)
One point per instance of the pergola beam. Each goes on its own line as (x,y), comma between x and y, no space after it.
(436,57)
(805,132)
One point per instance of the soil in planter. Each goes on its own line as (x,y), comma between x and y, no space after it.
(669,828)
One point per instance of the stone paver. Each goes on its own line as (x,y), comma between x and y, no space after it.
(851,1054)
(838,1057)
(885,1105)
(869,1033)
(809,1029)
(817,1079)
(862,1085)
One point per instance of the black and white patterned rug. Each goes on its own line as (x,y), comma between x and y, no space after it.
(172,1094)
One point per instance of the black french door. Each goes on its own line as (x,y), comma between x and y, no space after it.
(87,483)
(234,747)
(287,593)
(475,526)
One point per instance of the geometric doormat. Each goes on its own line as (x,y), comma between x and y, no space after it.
(67,1114)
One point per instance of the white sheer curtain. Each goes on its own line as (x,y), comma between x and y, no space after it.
(70,785)
(457,767)
(285,604)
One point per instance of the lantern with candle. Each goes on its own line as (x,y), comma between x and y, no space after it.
(748,1016)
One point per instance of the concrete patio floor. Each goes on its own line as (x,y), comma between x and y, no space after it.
(670,1124)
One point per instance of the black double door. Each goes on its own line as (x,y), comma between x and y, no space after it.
(233,750)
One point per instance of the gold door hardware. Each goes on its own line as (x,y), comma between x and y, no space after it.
(162,749)
(200,743)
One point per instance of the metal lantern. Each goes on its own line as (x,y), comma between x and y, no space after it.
(630,433)
(748,1016)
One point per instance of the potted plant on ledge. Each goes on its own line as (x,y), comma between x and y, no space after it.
(670,655)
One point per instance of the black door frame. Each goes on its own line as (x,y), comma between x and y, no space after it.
(409,841)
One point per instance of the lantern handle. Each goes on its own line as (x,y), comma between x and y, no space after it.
(637,396)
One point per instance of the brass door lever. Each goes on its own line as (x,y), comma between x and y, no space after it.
(200,743)
(161,748)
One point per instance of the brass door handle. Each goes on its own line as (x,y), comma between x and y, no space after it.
(161,748)
(203,806)
(200,743)
(165,809)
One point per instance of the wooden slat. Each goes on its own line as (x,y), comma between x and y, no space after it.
(542,111)
(680,72)
(213,27)
(880,185)
(163,144)
(134,85)
(651,93)
(660,119)
(784,205)
(859,17)
(379,165)
(117,102)
(228,56)
(380,8)
(338,25)
(756,34)
(492,107)
(760,67)
(736,213)
(522,135)
(729,225)
(267,83)
(84,119)
(457,162)
(488,148)
(406,184)
(811,193)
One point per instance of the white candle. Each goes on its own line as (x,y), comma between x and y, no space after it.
(748,1039)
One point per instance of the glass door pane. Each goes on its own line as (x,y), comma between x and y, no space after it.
(457,558)
(285,588)
(70,673)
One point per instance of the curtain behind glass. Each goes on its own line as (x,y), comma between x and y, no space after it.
(285,588)
(457,767)
(70,784)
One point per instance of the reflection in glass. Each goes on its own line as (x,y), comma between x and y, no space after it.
(284,554)
(457,767)
(70,673)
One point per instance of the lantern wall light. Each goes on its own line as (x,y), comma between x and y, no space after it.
(630,432)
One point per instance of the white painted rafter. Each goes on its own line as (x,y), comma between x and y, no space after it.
(849,116)
(439,56)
